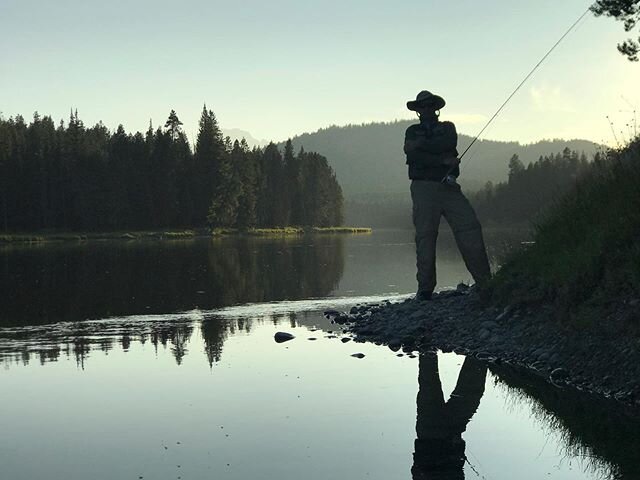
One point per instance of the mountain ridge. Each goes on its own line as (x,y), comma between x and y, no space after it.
(368,158)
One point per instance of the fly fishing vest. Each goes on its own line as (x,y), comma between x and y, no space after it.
(427,146)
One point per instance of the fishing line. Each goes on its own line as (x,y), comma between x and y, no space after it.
(520,85)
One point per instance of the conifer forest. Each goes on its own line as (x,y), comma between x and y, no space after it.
(70,177)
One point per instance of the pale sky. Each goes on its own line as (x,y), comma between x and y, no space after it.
(283,67)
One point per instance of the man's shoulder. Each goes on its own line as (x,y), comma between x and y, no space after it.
(413,130)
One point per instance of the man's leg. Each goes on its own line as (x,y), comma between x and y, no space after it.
(467,232)
(426,219)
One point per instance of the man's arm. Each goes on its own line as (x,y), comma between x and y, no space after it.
(411,141)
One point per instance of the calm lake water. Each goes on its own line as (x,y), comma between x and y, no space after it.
(156,360)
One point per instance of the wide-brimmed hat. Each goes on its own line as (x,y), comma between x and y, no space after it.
(426,98)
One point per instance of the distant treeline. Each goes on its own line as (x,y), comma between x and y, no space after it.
(531,189)
(71,177)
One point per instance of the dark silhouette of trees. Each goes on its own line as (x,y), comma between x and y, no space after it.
(529,189)
(206,163)
(74,178)
(245,164)
(628,12)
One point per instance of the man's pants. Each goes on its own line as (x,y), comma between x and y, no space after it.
(430,201)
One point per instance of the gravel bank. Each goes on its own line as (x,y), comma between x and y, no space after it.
(598,360)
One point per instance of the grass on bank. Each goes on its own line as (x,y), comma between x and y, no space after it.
(72,236)
(170,235)
(265,232)
(586,250)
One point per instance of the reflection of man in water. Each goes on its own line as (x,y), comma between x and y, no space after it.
(439,448)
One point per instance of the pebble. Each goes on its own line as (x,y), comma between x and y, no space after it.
(505,313)
(488,324)
(280,337)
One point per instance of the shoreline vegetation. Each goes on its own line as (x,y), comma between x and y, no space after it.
(46,237)
(584,257)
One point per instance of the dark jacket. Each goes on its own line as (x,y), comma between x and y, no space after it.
(427,145)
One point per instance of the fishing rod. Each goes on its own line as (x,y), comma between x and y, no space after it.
(447,178)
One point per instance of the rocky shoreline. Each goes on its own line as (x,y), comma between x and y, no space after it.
(599,360)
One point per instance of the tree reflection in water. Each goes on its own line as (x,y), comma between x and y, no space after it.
(48,343)
(439,448)
(44,284)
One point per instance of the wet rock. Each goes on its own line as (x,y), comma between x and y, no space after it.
(345,339)
(489,324)
(459,350)
(505,313)
(483,356)
(559,375)
(544,356)
(395,345)
(331,313)
(358,355)
(354,310)
(537,366)
(280,337)
(313,339)
(483,334)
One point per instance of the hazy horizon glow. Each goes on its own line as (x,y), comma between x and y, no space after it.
(284,68)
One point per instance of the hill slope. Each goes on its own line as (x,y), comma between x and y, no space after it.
(368,159)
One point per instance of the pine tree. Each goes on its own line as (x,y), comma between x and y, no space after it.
(223,210)
(628,12)
(516,167)
(272,208)
(173,125)
(293,184)
(208,154)
(244,162)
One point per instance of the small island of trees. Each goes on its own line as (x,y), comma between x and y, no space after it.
(74,178)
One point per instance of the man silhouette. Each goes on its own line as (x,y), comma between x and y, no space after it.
(432,157)
(439,447)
